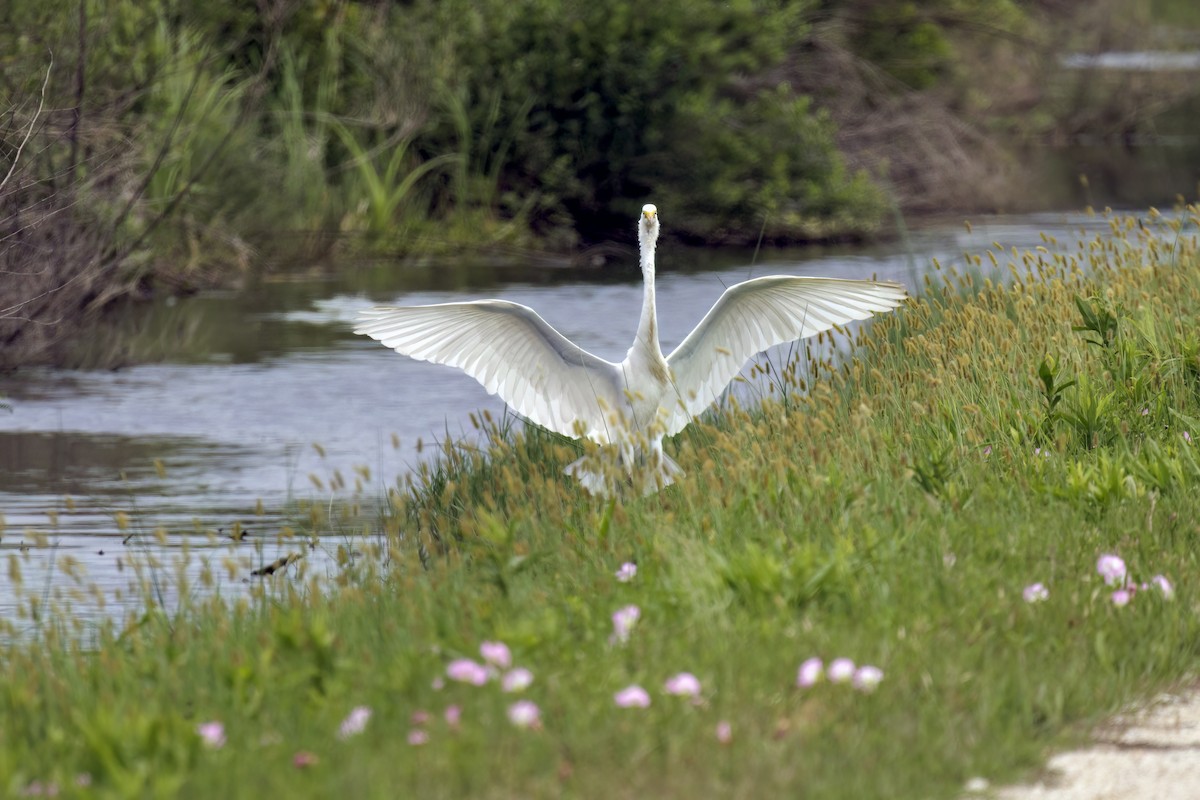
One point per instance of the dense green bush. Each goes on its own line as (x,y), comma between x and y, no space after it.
(767,166)
(611,104)
(916,42)
(553,115)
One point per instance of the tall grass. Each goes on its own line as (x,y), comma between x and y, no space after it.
(388,183)
(483,152)
(304,137)
(1007,428)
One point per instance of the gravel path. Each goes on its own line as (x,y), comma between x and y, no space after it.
(1150,753)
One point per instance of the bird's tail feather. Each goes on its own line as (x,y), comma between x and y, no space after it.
(604,478)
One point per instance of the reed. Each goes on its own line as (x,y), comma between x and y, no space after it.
(386,184)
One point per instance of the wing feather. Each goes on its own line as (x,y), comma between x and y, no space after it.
(511,351)
(758,314)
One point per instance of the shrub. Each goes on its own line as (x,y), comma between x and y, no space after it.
(616,103)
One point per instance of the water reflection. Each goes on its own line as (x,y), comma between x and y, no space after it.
(1138,61)
(91,577)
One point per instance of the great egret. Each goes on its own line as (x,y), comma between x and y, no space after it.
(550,380)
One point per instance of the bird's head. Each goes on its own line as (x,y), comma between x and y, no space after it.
(648,223)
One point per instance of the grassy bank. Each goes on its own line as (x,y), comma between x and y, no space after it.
(1007,429)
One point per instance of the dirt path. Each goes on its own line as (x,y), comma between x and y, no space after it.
(1151,753)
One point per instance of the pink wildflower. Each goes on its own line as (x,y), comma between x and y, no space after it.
(1121,597)
(453,715)
(632,697)
(1111,569)
(724,732)
(810,673)
(627,572)
(497,654)
(213,734)
(465,670)
(354,723)
(841,670)
(1164,585)
(525,714)
(1035,593)
(304,759)
(685,684)
(623,620)
(516,680)
(417,737)
(866,678)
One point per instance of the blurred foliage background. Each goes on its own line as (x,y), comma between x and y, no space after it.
(170,145)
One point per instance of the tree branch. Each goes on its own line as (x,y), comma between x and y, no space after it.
(29,131)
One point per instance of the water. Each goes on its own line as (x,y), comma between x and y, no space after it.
(1141,61)
(279,401)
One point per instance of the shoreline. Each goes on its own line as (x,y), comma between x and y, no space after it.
(1149,750)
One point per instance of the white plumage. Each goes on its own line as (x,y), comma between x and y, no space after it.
(551,381)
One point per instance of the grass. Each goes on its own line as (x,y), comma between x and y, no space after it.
(1008,428)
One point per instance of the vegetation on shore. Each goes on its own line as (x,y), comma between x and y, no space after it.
(166,146)
(898,506)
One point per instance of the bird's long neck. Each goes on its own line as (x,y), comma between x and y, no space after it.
(647,335)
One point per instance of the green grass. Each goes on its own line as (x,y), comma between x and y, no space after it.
(988,436)
(1174,12)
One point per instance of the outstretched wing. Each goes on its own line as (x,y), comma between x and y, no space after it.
(761,313)
(512,352)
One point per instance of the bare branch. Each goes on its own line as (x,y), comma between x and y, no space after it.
(33,121)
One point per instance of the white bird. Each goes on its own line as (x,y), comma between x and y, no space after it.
(550,380)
